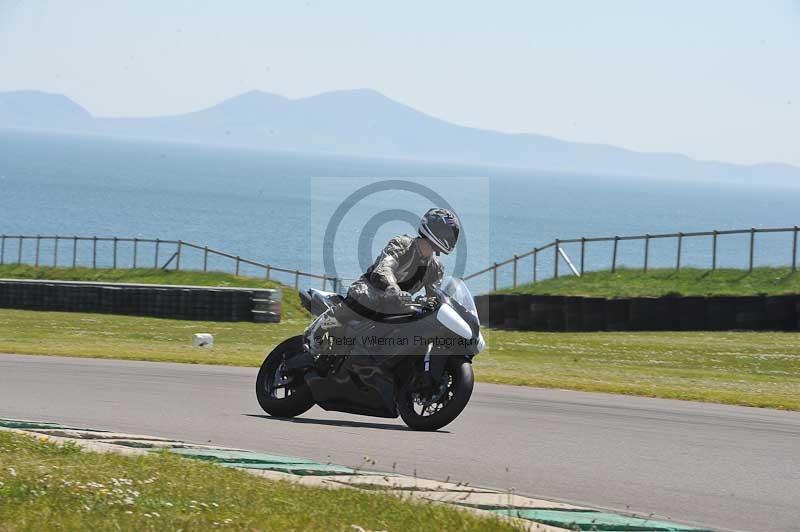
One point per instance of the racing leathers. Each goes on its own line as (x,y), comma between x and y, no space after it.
(399,271)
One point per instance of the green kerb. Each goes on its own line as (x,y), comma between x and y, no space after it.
(600,521)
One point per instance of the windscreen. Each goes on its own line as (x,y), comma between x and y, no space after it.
(458,291)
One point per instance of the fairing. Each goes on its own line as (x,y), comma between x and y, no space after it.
(457,290)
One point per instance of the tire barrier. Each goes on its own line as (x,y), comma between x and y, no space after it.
(751,313)
(784,311)
(593,314)
(643,312)
(693,313)
(618,314)
(722,313)
(669,313)
(497,309)
(511,314)
(159,301)
(524,309)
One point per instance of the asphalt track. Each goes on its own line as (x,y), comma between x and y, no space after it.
(725,467)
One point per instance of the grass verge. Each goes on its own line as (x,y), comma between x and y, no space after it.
(662,282)
(747,368)
(54,487)
(744,368)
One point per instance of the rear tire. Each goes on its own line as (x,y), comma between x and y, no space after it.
(459,391)
(297,395)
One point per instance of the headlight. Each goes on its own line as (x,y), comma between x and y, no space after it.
(455,323)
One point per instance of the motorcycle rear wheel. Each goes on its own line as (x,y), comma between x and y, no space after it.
(281,394)
(458,382)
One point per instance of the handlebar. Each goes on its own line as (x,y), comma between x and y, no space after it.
(425,303)
(419,304)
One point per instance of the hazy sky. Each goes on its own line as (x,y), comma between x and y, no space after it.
(712,79)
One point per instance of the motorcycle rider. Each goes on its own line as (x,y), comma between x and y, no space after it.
(405,266)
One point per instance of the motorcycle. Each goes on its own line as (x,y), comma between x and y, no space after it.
(417,363)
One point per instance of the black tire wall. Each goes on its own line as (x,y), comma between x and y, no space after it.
(691,313)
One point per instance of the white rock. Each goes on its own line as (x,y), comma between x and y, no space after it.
(203,340)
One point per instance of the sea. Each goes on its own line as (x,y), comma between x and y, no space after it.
(332,214)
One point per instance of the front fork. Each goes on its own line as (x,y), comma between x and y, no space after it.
(426,364)
(433,370)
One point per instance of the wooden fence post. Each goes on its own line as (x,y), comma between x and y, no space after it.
(794,250)
(178,258)
(516,259)
(494,278)
(752,245)
(155,261)
(205,258)
(115,254)
(238,261)
(324,282)
(19,251)
(646,251)
(296,279)
(3,249)
(614,257)
(555,260)
(678,261)
(135,251)
(94,253)
(535,256)
(714,252)
(74,252)
(36,260)
(268,271)
(55,253)
(583,251)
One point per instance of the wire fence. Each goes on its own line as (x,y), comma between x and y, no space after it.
(548,261)
(115,252)
(557,261)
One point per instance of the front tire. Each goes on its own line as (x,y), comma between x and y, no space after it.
(457,383)
(279,393)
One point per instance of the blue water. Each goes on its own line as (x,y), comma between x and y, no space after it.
(274,208)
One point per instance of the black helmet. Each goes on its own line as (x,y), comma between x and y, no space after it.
(440,227)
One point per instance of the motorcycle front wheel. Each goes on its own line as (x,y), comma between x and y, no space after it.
(280,393)
(444,404)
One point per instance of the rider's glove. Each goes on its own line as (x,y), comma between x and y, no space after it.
(404,297)
(399,296)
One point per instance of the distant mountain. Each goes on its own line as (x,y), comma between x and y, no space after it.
(40,110)
(366,123)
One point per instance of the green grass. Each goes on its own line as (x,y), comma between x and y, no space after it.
(53,487)
(747,368)
(137,338)
(661,282)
